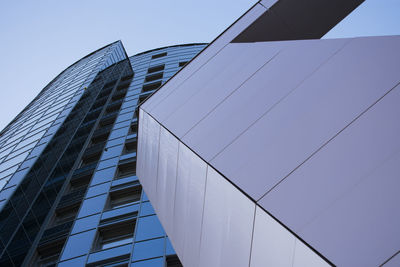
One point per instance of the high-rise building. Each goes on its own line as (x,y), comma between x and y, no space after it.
(69,191)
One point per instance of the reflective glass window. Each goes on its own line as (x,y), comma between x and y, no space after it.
(86,223)
(78,244)
(92,205)
(148,249)
(115,235)
(112,151)
(107,163)
(146,209)
(104,175)
(74,262)
(123,117)
(158,262)
(98,189)
(148,228)
(118,133)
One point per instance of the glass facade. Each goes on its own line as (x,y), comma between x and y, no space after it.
(69,192)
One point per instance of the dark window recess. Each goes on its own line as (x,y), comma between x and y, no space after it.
(115,235)
(125,197)
(130,146)
(183,63)
(133,129)
(82,176)
(127,77)
(101,135)
(123,86)
(91,158)
(142,98)
(153,77)
(151,86)
(108,119)
(159,55)
(71,200)
(48,253)
(48,260)
(118,95)
(125,170)
(113,107)
(156,68)
(173,261)
(110,84)
(65,215)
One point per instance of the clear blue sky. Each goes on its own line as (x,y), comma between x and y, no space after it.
(41,38)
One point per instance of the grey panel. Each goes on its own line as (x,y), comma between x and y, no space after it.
(393,262)
(296,20)
(259,94)
(304,256)
(272,244)
(189,203)
(321,107)
(166,179)
(227,224)
(268,3)
(242,62)
(203,57)
(148,155)
(204,76)
(344,200)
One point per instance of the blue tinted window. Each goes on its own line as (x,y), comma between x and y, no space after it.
(86,223)
(112,152)
(169,250)
(74,262)
(146,209)
(122,124)
(148,249)
(107,163)
(159,262)
(78,244)
(124,117)
(117,141)
(149,227)
(118,133)
(97,190)
(92,205)
(104,175)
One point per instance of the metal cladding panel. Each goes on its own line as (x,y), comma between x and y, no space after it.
(148,143)
(345,197)
(189,203)
(212,221)
(238,63)
(166,178)
(325,103)
(273,245)
(304,256)
(393,262)
(191,86)
(260,93)
(227,224)
(157,101)
(268,3)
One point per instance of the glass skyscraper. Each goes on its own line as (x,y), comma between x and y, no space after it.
(69,192)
